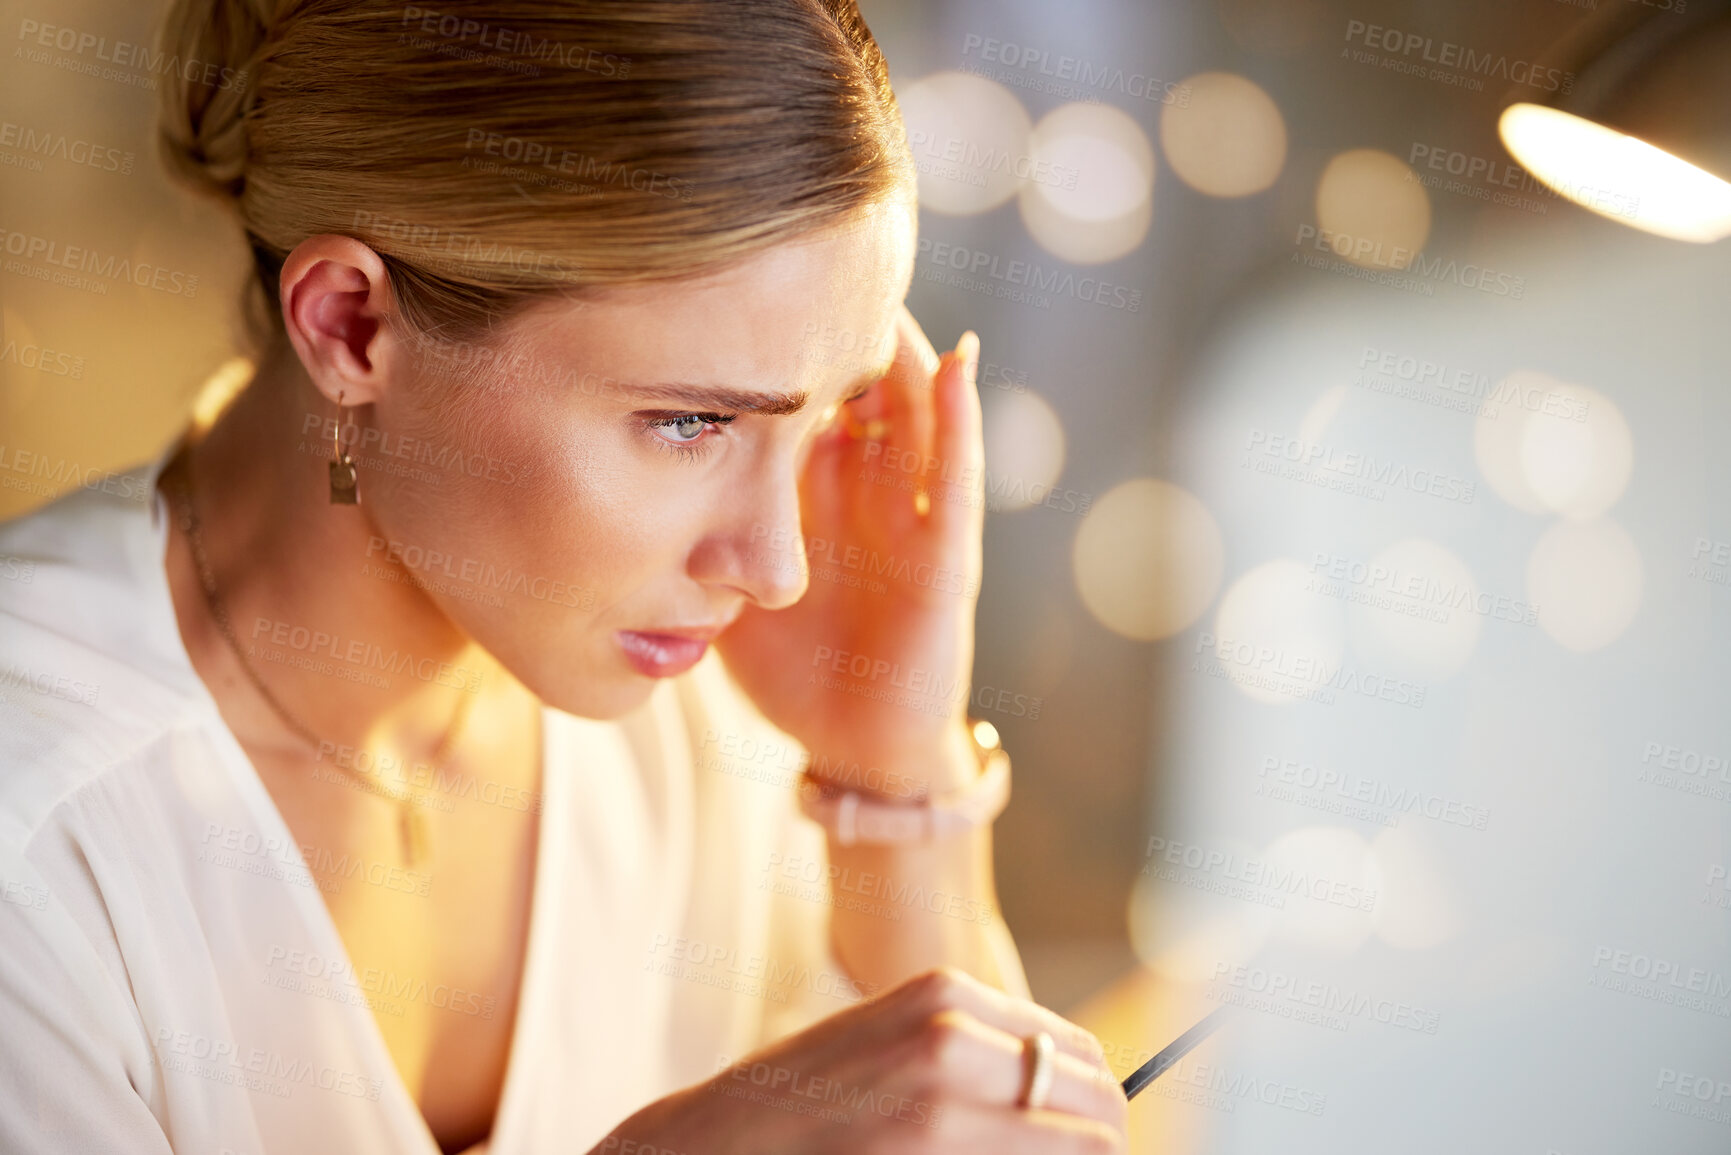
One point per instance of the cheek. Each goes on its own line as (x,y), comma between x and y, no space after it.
(594,513)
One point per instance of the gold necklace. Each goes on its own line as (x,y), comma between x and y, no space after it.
(411,822)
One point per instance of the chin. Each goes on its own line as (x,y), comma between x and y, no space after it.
(603,699)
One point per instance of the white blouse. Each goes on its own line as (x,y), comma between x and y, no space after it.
(171,979)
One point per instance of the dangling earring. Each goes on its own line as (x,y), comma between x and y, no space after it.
(345,489)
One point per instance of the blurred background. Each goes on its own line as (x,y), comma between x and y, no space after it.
(1356,571)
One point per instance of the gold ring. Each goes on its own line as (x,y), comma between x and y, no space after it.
(1038,1051)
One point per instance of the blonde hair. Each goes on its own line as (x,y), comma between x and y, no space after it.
(495,152)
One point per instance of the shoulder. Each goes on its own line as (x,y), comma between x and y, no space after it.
(93,677)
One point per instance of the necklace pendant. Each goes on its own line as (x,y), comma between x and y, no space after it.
(412,827)
(344,490)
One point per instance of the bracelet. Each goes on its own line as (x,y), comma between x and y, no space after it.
(851,818)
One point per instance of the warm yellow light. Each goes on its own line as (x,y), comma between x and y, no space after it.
(1228,140)
(219,389)
(1618,176)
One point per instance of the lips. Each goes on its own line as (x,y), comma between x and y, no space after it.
(664,654)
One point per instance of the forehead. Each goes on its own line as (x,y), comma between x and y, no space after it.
(812,313)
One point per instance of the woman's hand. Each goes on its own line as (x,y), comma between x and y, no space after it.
(872,666)
(934,1065)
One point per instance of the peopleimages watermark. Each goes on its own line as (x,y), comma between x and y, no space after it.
(864,891)
(1409,593)
(1304,677)
(1353,795)
(826,344)
(43,476)
(27,147)
(919,689)
(958,159)
(1016,280)
(497,45)
(138,65)
(854,565)
(86,269)
(255,1068)
(909,469)
(1416,54)
(361,654)
(426,565)
(42,359)
(1416,378)
(403,454)
(1214,1085)
(1321,1004)
(1710,561)
(246,850)
(337,979)
(1684,1093)
(1685,770)
(1350,472)
(760,976)
(442,248)
(1661,980)
(520,156)
(781,762)
(1072,77)
(1224,872)
(1394,265)
(19,676)
(23,894)
(772,1085)
(422,783)
(1489,179)
(1717,890)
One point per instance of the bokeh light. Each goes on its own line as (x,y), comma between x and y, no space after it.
(1417,908)
(1618,176)
(1228,140)
(1553,446)
(969,138)
(1090,196)
(1274,637)
(1372,210)
(1148,559)
(1415,611)
(1024,449)
(1183,934)
(1331,888)
(1586,579)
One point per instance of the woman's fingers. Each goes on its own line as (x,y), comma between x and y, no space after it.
(970,1127)
(980,1063)
(908,403)
(959,499)
(948,988)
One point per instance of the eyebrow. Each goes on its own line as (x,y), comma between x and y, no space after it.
(776,403)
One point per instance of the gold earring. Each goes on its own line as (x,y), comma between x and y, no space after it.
(345,485)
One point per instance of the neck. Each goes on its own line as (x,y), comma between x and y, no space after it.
(339,634)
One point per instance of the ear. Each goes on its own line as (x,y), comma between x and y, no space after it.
(336,297)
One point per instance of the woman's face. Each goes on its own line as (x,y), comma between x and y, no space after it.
(622,480)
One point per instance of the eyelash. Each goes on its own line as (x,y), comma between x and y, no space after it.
(690,450)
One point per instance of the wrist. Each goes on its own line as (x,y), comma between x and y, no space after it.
(964,799)
(905,773)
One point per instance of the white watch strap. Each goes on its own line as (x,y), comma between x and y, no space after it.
(855,818)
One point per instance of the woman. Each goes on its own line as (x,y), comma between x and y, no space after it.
(374,789)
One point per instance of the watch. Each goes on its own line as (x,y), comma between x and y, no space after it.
(852,818)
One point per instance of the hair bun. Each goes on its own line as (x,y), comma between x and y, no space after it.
(205,97)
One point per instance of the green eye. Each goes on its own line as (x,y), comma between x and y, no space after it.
(687,428)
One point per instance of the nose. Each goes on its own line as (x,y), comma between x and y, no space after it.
(756,546)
